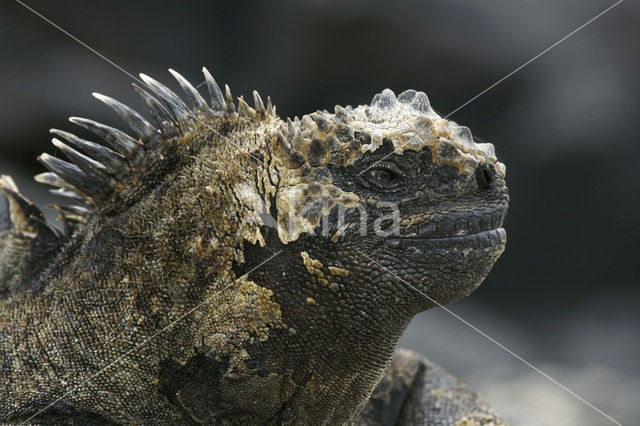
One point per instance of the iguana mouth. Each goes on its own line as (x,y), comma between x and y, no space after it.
(478,229)
(479,240)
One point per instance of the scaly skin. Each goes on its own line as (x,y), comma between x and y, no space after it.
(229,267)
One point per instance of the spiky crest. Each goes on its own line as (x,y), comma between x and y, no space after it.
(105,177)
(26,239)
(96,174)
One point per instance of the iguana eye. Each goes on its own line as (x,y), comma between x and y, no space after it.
(384,177)
(381,175)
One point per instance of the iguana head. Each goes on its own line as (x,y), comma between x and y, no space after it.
(407,195)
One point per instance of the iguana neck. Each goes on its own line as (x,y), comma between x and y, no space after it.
(337,343)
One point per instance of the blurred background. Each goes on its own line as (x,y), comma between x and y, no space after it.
(564,295)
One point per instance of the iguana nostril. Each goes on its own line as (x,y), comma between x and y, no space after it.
(484,176)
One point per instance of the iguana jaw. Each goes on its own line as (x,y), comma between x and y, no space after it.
(444,256)
(474,228)
(493,238)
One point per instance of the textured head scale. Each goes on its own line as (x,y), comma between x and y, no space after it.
(408,121)
(321,140)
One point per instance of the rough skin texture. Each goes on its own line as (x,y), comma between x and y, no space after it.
(414,391)
(229,267)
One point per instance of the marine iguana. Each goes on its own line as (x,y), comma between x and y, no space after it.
(227,266)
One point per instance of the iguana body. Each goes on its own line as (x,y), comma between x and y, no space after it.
(220,270)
